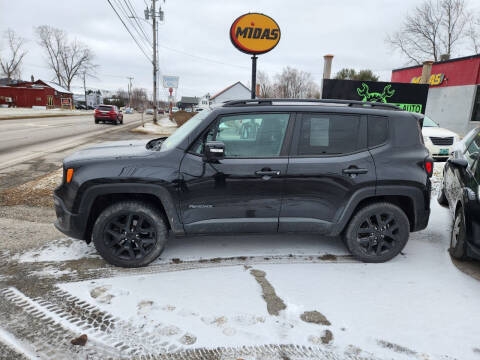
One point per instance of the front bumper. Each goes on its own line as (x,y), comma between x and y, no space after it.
(439,151)
(68,223)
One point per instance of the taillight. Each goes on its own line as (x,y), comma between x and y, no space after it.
(428,166)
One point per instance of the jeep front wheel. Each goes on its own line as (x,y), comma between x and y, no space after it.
(130,234)
(377,233)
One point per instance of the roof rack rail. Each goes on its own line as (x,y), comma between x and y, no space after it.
(324,102)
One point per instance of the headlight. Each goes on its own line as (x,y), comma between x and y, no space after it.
(456,139)
(426,139)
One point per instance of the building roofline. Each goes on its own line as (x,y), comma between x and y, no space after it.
(440,62)
(228,88)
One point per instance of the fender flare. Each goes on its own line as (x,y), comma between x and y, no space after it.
(92,192)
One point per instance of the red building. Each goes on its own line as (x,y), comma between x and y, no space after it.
(454,95)
(39,94)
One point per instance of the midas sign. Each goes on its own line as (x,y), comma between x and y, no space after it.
(435,79)
(254,33)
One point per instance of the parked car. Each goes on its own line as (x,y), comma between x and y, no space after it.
(108,113)
(460,190)
(80,107)
(128,110)
(149,112)
(355,169)
(439,141)
(175,109)
(160,111)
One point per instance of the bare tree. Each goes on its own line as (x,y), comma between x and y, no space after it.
(351,74)
(473,34)
(12,62)
(294,84)
(67,59)
(435,28)
(266,86)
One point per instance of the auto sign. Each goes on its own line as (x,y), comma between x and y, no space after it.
(254,33)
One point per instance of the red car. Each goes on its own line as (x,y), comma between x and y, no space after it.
(108,113)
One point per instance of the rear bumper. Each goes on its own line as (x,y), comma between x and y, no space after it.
(70,224)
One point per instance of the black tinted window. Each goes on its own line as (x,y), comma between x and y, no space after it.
(104,108)
(377,130)
(473,148)
(326,134)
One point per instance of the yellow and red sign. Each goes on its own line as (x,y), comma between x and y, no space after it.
(254,33)
(435,79)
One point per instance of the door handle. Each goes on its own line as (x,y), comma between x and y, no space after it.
(354,171)
(267,172)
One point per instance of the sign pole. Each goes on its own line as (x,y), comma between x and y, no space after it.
(254,76)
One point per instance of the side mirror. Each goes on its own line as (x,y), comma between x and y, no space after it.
(461,163)
(213,151)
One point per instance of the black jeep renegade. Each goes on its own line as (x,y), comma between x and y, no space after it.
(331,167)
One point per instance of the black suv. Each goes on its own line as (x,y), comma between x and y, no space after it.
(330,167)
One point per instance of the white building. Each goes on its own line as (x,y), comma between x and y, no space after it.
(94,98)
(237,91)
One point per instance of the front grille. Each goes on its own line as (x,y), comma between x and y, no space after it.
(442,140)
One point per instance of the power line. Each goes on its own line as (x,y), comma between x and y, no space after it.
(132,24)
(135,17)
(203,58)
(126,27)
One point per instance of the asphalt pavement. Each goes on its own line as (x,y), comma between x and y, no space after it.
(33,147)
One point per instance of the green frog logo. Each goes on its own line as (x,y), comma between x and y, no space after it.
(366,95)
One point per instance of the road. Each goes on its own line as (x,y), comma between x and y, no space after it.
(26,139)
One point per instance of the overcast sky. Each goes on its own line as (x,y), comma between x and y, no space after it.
(194,40)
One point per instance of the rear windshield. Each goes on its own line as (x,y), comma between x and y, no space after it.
(105,108)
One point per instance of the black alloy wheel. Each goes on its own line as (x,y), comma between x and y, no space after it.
(377,233)
(130,234)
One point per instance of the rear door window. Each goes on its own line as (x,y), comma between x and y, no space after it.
(329,134)
(105,108)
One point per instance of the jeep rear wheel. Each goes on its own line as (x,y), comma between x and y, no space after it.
(130,234)
(377,233)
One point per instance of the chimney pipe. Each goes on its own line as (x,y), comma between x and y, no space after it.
(426,72)
(327,66)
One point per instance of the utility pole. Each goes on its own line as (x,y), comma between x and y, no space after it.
(85,88)
(153,13)
(130,78)
(154,22)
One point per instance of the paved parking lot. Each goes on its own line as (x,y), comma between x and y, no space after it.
(276,296)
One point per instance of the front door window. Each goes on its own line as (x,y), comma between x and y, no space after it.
(252,135)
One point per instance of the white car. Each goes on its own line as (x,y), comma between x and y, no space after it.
(439,141)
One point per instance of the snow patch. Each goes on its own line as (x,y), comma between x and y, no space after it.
(59,250)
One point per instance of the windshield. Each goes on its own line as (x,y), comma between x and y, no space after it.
(427,122)
(182,132)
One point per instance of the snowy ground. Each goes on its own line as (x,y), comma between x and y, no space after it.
(164,127)
(285,296)
(6,113)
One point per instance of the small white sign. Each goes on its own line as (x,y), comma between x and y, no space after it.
(170,81)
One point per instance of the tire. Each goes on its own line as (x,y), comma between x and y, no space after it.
(377,233)
(458,248)
(122,245)
(96,121)
(116,122)
(441,198)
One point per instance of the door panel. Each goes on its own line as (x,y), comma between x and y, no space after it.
(241,193)
(318,187)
